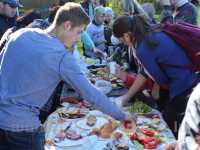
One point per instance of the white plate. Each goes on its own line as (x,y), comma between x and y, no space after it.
(70,143)
(96,113)
(83,123)
(104,86)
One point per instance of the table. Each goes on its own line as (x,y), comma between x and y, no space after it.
(55,124)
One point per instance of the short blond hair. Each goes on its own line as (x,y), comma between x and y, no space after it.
(72,12)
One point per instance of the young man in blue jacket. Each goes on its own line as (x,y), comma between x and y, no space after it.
(33,62)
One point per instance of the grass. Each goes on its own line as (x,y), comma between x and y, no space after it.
(198,19)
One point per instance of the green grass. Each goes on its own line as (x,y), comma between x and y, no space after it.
(198,19)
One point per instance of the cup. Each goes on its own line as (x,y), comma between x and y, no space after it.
(112,67)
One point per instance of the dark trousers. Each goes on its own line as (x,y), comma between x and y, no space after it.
(174,111)
(22,140)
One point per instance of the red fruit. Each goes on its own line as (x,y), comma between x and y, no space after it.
(150,146)
(128,124)
(150,141)
(148,132)
(133,136)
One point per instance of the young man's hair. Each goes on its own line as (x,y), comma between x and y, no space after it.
(72,12)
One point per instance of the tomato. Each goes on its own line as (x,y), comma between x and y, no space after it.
(150,146)
(150,140)
(133,136)
(128,124)
(148,132)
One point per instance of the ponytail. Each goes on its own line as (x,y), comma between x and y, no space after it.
(138,26)
(141,30)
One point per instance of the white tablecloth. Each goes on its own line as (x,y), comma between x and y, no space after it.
(54,124)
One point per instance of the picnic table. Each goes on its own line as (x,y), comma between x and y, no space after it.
(59,123)
(56,124)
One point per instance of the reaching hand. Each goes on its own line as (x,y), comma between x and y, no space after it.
(125,99)
(99,53)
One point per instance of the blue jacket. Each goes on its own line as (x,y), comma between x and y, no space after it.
(31,65)
(167,52)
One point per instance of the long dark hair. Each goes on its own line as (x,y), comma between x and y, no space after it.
(138,26)
(27,18)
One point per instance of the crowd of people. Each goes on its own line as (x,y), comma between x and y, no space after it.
(37,57)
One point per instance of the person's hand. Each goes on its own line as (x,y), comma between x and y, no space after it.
(155,92)
(124,100)
(119,73)
(99,53)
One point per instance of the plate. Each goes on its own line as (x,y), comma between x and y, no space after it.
(70,143)
(96,113)
(104,86)
(83,123)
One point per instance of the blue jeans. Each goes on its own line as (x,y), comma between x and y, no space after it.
(22,140)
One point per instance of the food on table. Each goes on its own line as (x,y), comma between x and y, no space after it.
(91,120)
(49,142)
(138,145)
(114,85)
(106,130)
(133,136)
(78,102)
(122,147)
(171,146)
(90,61)
(161,138)
(71,100)
(114,123)
(101,73)
(61,119)
(128,124)
(72,135)
(139,107)
(118,135)
(156,120)
(61,134)
(72,114)
(86,104)
(149,142)
(113,79)
(95,131)
(148,131)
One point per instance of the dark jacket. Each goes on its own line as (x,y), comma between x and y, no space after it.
(6,23)
(187,13)
(85,6)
